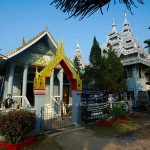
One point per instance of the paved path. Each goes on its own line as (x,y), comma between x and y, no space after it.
(85,139)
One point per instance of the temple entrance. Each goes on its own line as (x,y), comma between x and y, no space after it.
(66,94)
(58,92)
(67,100)
(30,95)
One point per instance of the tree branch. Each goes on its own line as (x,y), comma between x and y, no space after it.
(84,8)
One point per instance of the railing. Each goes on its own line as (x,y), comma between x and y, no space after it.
(56,104)
(22,101)
(52,122)
(19,102)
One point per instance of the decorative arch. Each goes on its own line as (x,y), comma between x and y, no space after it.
(60,58)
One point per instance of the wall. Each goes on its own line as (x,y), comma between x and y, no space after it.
(136,84)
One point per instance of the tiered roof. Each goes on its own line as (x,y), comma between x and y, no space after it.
(125,45)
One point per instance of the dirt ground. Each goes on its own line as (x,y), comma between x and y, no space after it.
(87,139)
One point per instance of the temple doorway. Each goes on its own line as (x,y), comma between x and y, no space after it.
(67,102)
(30,95)
(66,94)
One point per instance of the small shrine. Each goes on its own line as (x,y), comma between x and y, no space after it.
(39,76)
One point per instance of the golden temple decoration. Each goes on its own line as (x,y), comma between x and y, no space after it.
(39,80)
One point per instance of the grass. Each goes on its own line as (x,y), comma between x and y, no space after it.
(117,129)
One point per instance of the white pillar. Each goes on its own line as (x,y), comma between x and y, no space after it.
(76,112)
(61,91)
(10,78)
(24,85)
(51,86)
(61,84)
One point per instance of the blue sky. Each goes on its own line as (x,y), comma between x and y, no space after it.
(27,18)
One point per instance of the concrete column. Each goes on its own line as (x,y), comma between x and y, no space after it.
(10,78)
(61,91)
(61,84)
(134,85)
(51,86)
(76,113)
(24,85)
(39,106)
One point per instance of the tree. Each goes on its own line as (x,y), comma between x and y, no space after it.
(77,64)
(87,78)
(147,70)
(104,73)
(96,65)
(95,53)
(84,8)
(114,73)
(148,44)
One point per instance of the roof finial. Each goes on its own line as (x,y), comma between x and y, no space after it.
(114,25)
(23,40)
(113,20)
(77,40)
(125,15)
(46,27)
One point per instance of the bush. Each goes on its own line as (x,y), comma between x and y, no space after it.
(119,111)
(103,118)
(15,125)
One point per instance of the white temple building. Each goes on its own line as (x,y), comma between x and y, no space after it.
(134,60)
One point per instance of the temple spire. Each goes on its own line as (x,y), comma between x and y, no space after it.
(77,39)
(113,26)
(126,27)
(125,16)
(79,55)
(125,20)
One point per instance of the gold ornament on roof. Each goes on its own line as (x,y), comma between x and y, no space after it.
(39,80)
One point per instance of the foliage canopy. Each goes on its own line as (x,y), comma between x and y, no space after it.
(114,73)
(84,8)
(92,77)
(77,64)
(104,73)
(148,44)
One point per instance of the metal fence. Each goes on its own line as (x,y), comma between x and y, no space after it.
(54,122)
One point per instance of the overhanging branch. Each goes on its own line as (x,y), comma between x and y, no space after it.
(84,8)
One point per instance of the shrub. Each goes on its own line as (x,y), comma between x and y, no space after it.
(103,117)
(119,111)
(15,125)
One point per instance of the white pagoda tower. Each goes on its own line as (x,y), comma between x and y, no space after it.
(78,54)
(135,63)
